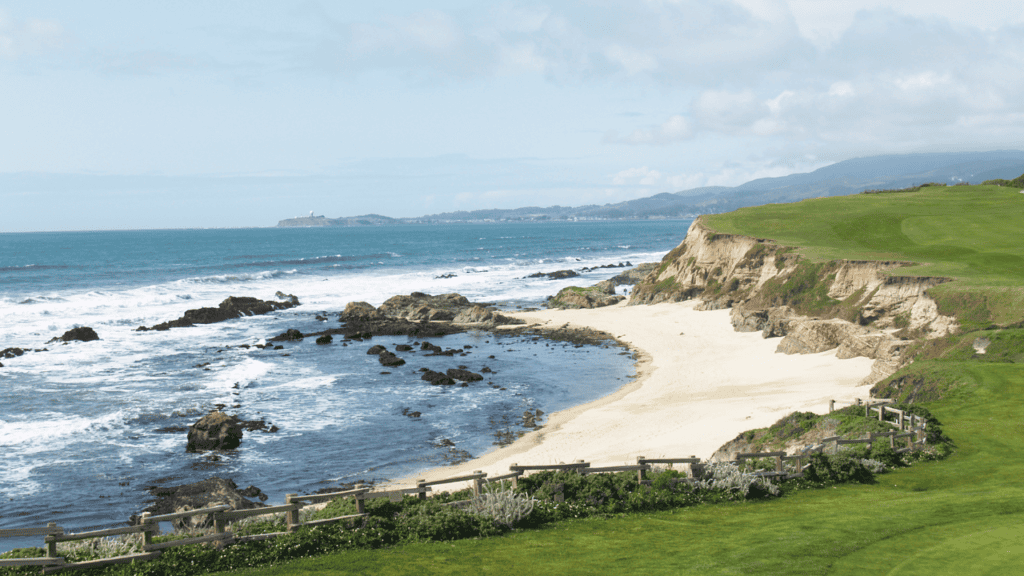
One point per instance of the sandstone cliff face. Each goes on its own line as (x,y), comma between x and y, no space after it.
(856,307)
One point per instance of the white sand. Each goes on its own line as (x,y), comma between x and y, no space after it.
(699,385)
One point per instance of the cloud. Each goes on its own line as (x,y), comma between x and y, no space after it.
(31,37)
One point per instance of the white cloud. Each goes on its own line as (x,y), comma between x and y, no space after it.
(19,38)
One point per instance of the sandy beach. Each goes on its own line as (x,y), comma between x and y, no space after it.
(699,384)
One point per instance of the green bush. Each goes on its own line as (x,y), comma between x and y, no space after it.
(435,521)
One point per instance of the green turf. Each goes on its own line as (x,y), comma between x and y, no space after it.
(963,515)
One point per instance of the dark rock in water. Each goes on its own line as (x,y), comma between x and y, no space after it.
(254,492)
(389,359)
(82,334)
(232,307)
(203,494)
(432,347)
(215,431)
(464,375)
(556,275)
(486,370)
(325,339)
(291,334)
(481,315)
(377,349)
(445,276)
(171,430)
(448,352)
(11,353)
(278,347)
(403,348)
(290,298)
(1,364)
(437,378)
(260,425)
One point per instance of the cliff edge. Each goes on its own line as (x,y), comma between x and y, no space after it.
(859,308)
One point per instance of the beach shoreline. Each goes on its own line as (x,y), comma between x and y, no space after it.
(698,385)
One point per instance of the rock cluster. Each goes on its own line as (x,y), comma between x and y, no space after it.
(215,431)
(203,494)
(232,307)
(419,314)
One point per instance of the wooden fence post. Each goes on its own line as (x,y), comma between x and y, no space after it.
(51,546)
(421,484)
(147,534)
(640,473)
(292,516)
(778,464)
(515,479)
(892,440)
(881,412)
(831,406)
(476,483)
(867,410)
(579,470)
(360,504)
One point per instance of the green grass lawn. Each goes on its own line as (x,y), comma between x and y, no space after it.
(963,515)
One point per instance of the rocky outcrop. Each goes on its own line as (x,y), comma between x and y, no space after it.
(203,494)
(855,307)
(81,334)
(420,307)
(215,431)
(420,314)
(232,307)
(360,311)
(630,277)
(482,316)
(574,297)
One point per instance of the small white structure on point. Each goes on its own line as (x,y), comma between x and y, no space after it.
(310,213)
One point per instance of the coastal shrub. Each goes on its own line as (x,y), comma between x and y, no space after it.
(434,521)
(844,467)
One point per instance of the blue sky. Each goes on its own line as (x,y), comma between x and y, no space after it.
(194,114)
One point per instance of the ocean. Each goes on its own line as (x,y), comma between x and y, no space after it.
(87,427)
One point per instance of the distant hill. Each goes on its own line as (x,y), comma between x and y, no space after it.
(839,179)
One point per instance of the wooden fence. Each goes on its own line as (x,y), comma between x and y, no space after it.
(911,428)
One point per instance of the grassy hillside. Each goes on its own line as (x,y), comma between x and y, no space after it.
(969,233)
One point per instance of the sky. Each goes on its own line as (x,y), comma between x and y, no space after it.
(182,114)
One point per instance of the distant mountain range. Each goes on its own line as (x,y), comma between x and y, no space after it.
(839,179)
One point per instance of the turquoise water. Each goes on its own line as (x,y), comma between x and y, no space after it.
(80,424)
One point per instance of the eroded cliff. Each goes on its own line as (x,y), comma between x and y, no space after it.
(860,308)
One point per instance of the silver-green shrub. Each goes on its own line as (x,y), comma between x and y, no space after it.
(730,478)
(501,504)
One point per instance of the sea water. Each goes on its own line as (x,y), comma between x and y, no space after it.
(87,427)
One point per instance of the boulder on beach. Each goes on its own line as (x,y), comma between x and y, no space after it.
(484,316)
(231,307)
(82,334)
(215,431)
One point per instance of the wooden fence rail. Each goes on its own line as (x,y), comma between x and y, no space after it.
(910,427)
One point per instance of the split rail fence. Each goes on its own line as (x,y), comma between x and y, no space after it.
(911,428)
